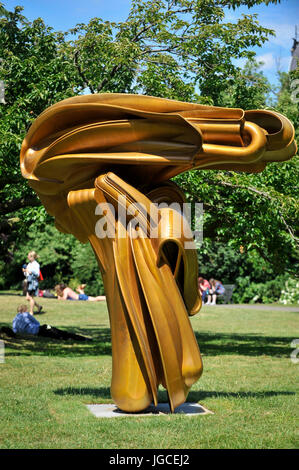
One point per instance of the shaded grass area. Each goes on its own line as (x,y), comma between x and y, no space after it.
(249,382)
(211,344)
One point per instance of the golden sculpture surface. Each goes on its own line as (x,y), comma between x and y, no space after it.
(117,152)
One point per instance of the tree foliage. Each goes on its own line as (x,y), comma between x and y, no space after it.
(167,48)
(178,49)
(36,74)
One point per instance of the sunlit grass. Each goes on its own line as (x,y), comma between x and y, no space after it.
(249,382)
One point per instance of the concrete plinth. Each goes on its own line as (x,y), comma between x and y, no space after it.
(111,411)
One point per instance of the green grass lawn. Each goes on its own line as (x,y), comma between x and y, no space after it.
(249,382)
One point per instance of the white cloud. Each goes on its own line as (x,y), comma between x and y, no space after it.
(267,59)
(284,34)
(274,62)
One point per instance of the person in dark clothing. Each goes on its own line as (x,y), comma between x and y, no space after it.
(25,282)
(54,333)
(5,330)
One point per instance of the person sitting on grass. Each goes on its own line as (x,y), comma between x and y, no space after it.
(66,293)
(25,323)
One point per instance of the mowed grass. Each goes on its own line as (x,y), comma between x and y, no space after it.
(249,382)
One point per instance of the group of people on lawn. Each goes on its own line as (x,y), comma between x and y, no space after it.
(210,290)
(32,275)
(26,323)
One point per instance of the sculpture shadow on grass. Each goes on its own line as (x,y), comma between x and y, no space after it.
(193,396)
(96,392)
(210,344)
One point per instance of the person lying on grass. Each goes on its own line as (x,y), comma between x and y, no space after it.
(66,293)
(80,289)
(25,323)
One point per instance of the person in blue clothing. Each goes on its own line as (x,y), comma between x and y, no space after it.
(25,323)
(216,289)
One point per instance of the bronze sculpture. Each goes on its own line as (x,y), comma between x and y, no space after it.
(119,151)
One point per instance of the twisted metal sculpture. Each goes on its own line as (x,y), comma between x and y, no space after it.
(120,151)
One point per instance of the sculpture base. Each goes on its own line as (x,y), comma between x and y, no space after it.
(111,410)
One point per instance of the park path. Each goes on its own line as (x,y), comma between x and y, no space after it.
(259,307)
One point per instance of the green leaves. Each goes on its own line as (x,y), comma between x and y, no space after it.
(177,49)
(191,37)
(36,75)
(259,211)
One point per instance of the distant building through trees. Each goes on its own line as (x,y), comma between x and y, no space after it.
(295,53)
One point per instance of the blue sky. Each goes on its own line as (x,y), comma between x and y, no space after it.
(64,14)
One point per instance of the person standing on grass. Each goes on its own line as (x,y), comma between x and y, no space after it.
(32,272)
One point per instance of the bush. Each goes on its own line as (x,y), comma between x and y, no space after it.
(290,293)
(85,268)
(252,292)
(2,275)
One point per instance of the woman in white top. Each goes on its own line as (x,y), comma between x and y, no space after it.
(32,273)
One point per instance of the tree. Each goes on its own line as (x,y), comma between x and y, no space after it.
(248,89)
(36,74)
(180,49)
(288,97)
(167,48)
(256,211)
